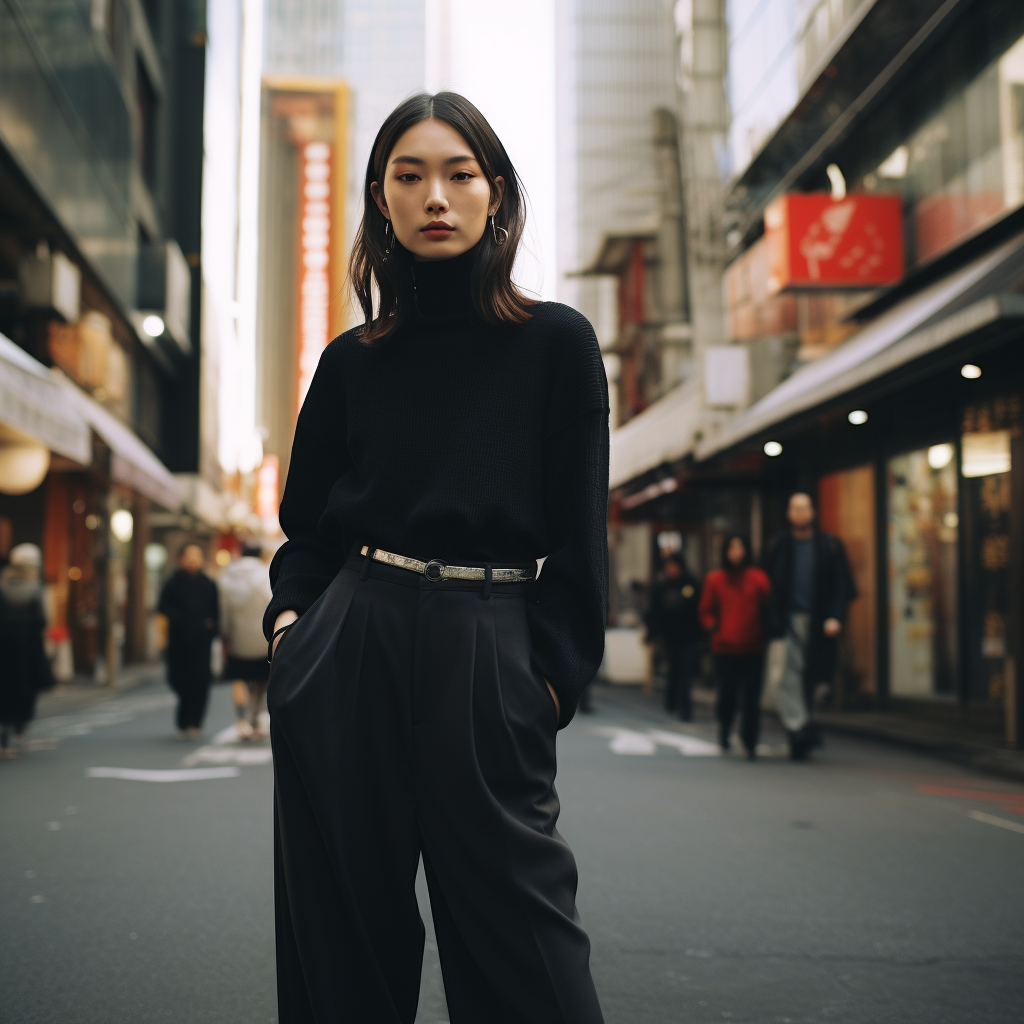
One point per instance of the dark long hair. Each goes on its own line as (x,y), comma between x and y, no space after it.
(495,298)
(748,557)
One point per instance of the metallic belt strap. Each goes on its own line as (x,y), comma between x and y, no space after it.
(436,570)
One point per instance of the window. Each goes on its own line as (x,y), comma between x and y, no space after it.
(148,109)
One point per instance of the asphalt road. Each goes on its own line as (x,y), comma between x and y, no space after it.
(870,885)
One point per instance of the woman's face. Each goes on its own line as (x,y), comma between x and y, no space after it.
(435,193)
(736,552)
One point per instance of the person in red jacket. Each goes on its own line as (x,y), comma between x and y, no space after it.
(733,608)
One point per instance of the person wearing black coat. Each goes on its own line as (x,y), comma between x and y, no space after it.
(811,589)
(189,603)
(25,670)
(672,624)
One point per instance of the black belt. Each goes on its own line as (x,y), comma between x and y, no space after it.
(435,570)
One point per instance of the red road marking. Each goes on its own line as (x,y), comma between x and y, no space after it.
(1009,801)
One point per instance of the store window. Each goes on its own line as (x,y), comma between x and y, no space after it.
(923,528)
(964,166)
(988,428)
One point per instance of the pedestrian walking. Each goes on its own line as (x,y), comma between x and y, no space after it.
(673,625)
(25,670)
(733,608)
(244,596)
(456,437)
(811,589)
(189,605)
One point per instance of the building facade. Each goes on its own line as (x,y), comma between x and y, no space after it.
(873,222)
(101,114)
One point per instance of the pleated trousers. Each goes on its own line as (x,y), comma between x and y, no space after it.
(407,721)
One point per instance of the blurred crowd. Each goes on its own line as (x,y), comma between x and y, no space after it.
(772,630)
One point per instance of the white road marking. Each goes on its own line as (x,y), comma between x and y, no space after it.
(230,755)
(690,746)
(991,819)
(116,711)
(162,775)
(644,744)
(228,735)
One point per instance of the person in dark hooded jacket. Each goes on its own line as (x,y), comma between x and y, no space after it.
(672,623)
(24,670)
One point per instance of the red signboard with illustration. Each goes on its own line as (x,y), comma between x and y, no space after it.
(820,242)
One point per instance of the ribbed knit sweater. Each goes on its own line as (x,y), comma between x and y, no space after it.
(466,442)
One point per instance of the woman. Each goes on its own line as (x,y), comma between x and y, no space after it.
(26,670)
(732,608)
(447,444)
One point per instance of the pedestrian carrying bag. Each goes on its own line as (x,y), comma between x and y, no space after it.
(774,670)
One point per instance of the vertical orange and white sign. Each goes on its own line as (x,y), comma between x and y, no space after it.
(315,202)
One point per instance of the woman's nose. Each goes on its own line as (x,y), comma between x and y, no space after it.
(436,202)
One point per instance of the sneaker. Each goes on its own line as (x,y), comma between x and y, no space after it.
(243,729)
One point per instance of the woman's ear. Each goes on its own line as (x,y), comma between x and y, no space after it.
(378,198)
(498,191)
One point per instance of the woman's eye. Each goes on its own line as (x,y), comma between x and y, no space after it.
(408,176)
(461,176)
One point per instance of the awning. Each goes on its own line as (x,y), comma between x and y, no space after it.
(131,463)
(663,432)
(924,322)
(32,402)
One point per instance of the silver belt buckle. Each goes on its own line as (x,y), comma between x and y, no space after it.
(434,566)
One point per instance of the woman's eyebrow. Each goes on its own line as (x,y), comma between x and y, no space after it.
(419,161)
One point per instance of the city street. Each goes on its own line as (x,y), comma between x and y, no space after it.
(870,885)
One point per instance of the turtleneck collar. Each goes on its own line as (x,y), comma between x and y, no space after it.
(443,287)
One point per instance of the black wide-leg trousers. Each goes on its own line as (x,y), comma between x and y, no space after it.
(406,720)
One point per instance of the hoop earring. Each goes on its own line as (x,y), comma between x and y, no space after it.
(495,230)
(391,241)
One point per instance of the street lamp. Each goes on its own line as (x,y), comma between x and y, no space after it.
(858,417)
(772,449)
(970,371)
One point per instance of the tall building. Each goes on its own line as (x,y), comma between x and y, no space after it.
(331,73)
(101,117)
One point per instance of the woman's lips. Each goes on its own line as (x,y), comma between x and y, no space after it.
(438,231)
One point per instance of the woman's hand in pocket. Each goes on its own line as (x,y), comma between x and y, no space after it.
(286,618)
(554,697)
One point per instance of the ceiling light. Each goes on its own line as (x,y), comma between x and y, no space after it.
(970,371)
(858,417)
(153,325)
(772,448)
(122,525)
(940,455)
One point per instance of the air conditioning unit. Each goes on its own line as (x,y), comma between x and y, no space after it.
(49,280)
(165,290)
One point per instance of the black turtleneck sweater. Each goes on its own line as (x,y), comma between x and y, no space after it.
(465,442)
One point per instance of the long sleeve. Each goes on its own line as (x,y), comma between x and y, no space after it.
(307,562)
(568,617)
(708,611)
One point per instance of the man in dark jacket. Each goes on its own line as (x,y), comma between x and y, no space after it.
(188,601)
(811,589)
(672,624)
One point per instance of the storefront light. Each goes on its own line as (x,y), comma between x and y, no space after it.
(940,455)
(153,325)
(772,449)
(122,526)
(858,417)
(970,371)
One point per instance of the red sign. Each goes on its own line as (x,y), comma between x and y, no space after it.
(819,242)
